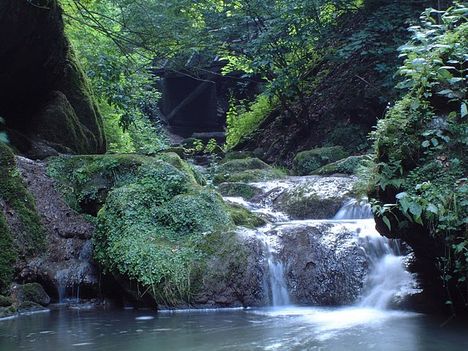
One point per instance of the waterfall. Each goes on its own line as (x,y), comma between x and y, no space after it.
(279,295)
(338,260)
(388,279)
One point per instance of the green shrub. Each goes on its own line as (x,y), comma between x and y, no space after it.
(88,179)
(241,120)
(306,162)
(420,176)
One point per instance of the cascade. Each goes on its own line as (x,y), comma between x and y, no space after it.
(279,295)
(383,280)
(388,278)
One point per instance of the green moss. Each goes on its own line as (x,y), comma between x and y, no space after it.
(175,160)
(150,225)
(243,217)
(8,256)
(349,165)
(29,238)
(251,175)
(244,190)
(34,292)
(5,301)
(79,94)
(8,311)
(59,124)
(85,181)
(239,165)
(306,162)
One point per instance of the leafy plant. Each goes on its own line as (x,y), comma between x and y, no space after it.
(421,143)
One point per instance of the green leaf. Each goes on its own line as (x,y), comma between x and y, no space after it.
(415,209)
(463,110)
(387,222)
(432,208)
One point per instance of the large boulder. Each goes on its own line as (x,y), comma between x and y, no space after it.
(313,197)
(45,99)
(32,292)
(324,263)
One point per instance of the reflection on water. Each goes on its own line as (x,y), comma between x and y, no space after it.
(288,328)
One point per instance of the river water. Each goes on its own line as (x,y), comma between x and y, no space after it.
(335,329)
(367,325)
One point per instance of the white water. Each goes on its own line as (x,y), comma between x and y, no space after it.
(279,295)
(387,281)
(388,278)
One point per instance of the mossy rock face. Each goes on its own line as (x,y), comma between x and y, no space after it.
(59,124)
(316,197)
(245,170)
(31,292)
(244,190)
(86,181)
(45,98)
(244,218)
(240,165)
(348,165)
(232,274)
(306,162)
(18,216)
(5,301)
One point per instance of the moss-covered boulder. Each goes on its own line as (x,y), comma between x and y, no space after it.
(306,162)
(239,189)
(86,181)
(242,217)
(315,198)
(31,292)
(245,170)
(45,99)
(153,221)
(349,165)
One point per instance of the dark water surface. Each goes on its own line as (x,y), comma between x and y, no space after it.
(290,328)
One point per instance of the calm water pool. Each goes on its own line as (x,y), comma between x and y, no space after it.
(287,329)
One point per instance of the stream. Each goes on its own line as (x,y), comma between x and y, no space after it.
(371,322)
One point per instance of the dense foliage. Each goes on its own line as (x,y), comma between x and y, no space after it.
(421,143)
(120,75)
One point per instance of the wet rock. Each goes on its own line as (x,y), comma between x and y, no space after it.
(233,276)
(32,292)
(66,263)
(245,170)
(312,197)
(348,165)
(324,263)
(29,307)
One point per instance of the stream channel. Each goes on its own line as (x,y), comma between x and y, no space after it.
(371,322)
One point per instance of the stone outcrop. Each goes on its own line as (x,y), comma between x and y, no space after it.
(45,99)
